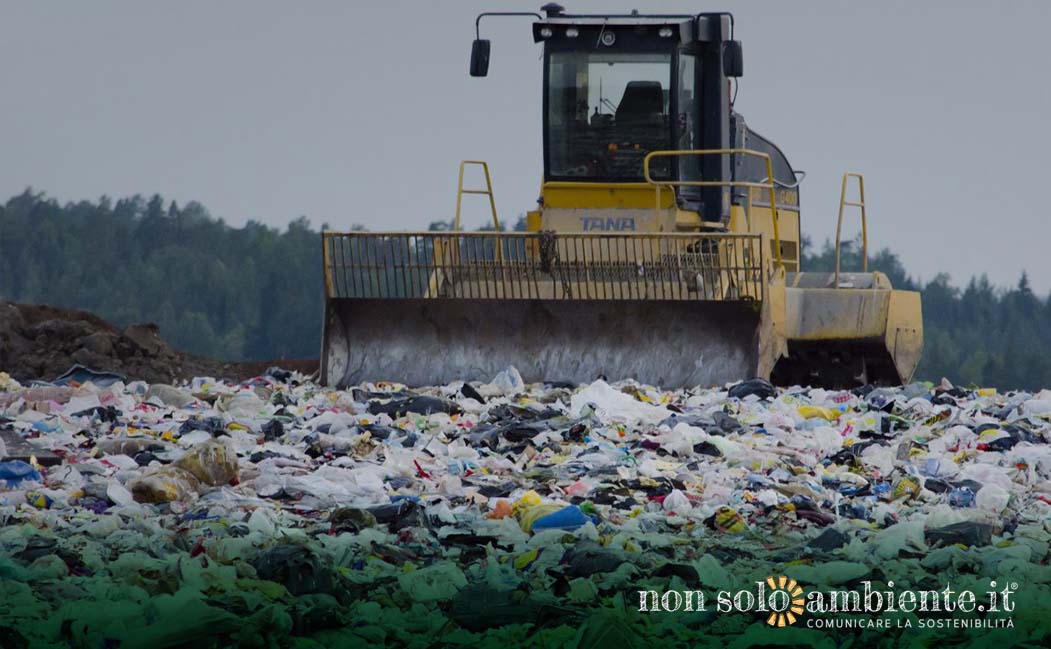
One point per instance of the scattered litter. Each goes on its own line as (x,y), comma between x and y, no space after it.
(481,512)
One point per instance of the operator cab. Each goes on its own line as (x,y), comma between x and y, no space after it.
(610,100)
(617,87)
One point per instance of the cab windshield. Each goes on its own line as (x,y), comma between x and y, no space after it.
(606,111)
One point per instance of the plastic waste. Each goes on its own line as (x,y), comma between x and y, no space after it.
(478,517)
(15,472)
(169,395)
(962,497)
(470,392)
(753,387)
(677,502)
(211,462)
(272,430)
(297,568)
(727,520)
(613,404)
(993,498)
(810,412)
(967,533)
(351,519)
(528,516)
(118,494)
(508,382)
(422,405)
(79,374)
(567,518)
(165,484)
(433,584)
(39,500)
(243,405)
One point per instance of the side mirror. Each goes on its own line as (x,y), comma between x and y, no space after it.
(733,59)
(480,58)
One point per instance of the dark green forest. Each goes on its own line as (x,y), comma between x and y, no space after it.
(254,293)
(231,293)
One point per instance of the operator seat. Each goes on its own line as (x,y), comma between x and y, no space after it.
(641,104)
(640,128)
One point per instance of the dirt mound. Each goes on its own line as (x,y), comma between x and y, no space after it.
(42,342)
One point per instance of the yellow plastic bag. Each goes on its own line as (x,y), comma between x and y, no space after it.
(809,412)
(211,462)
(528,499)
(530,515)
(728,520)
(166,484)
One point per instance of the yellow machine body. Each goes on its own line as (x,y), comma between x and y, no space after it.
(684,270)
(650,297)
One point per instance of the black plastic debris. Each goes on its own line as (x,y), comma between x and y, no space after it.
(758,387)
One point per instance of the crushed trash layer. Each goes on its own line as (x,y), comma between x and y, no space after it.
(276,512)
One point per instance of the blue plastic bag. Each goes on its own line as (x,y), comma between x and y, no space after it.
(15,472)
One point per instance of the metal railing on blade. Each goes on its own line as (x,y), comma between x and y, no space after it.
(767,183)
(543,265)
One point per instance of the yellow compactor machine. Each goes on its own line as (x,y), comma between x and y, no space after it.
(665,246)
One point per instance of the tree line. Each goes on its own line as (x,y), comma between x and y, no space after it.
(249,293)
(255,292)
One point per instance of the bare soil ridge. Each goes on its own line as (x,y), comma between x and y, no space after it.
(42,342)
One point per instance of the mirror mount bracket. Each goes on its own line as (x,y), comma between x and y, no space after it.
(481,47)
(478,20)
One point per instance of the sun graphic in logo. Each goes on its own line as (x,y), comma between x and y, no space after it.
(785,600)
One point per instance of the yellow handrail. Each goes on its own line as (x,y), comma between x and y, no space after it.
(864,227)
(326,261)
(768,184)
(488,191)
(482,234)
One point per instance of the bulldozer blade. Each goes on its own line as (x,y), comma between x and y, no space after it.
(429,342)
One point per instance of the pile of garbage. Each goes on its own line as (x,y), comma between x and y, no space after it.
(275,512)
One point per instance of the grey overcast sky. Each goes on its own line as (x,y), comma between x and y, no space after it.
(355,112)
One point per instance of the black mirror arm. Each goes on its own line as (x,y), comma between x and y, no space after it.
(478,20)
